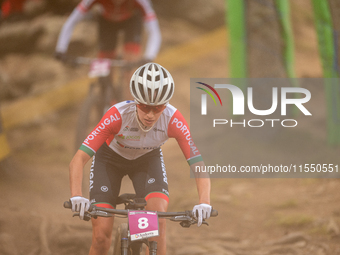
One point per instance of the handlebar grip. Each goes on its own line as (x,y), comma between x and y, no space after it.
(214,213)
(68,204)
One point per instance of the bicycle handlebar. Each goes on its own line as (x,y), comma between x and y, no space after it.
(67,204)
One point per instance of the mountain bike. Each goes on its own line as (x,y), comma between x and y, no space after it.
(107,87)
(142,225)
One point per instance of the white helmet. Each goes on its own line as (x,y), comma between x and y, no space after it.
(152,84)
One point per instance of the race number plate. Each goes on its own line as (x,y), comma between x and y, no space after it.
(100,68)
(142,224)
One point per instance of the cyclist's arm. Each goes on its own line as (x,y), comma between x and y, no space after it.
(67,29)
(152,28)
(76,172)
(202,183)
(179,129)
(108,126)
(154,39)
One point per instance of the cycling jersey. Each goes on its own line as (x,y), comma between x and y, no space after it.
(115,11)
(120,130)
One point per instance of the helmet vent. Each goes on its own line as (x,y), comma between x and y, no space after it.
(157,78)
(149,95)
(165,88)
(165,74)
(141,89)
(141,71)
(170,93)
(133,89)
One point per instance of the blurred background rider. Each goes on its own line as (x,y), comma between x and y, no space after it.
(117,16)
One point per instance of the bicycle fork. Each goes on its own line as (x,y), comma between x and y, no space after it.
(152,248)
(124,246)
(136,249)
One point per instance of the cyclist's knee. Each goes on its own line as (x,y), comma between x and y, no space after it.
(101,232)
(101,240)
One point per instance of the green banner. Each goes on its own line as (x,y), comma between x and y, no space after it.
(235,19)
(325,30)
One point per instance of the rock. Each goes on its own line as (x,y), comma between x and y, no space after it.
(24,75)
(19,37)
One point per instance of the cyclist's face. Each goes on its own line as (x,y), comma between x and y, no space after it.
(148,119)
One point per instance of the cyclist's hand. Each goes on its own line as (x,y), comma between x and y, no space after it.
(80,204)
(201,212)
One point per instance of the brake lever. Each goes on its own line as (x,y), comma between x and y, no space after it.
(193,222)
(87,216)
(93,214)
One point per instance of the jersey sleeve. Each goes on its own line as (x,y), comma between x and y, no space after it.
(108,126)
(178,128)
(152,28)
(67,29)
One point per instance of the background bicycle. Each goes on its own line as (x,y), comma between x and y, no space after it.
(142,225)
(109,85)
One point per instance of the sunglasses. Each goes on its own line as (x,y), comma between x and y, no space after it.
(147,108)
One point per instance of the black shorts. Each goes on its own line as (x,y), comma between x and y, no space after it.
(108,31)
(147,174)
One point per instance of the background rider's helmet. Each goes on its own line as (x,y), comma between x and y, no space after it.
(152,84)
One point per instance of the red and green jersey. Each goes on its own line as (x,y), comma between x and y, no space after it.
(120,130)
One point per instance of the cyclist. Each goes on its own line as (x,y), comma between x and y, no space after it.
(127,141)
(115,16)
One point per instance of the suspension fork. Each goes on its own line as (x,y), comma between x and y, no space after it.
(124,246)
(153,248)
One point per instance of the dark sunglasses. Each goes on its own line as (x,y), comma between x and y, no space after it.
(147,108)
